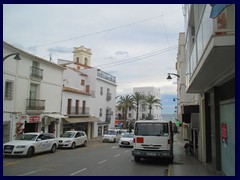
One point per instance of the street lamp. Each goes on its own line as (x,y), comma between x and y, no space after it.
(17,57)
(169,75)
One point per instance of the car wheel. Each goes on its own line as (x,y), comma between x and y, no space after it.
(137,158)
(120,146)
(85,144)
(54,148)
(30,152)
(73,145)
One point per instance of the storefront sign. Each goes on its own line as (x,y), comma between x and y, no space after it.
(224,132)
(34,119)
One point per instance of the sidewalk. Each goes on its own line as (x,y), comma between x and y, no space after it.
(187,165)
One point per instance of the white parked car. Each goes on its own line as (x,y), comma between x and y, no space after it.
(112,135)
(71,139)
(126,140)
(29,144)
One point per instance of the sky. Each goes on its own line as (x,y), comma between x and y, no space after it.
(136,43)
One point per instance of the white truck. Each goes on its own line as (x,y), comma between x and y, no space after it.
(153,139)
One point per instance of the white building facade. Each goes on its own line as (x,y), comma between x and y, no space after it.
(32,90)
(144,111)
(210,73)
(88,95)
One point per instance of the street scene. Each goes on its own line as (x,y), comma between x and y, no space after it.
(103,159)
(119,90)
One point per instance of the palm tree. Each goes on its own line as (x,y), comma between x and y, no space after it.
(124,102)
(137,98)
(151,101)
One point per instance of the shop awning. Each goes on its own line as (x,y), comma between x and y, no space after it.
(82,119)
(55,116)
(190,109)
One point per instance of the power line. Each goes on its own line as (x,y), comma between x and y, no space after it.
(106,30)
(138,58)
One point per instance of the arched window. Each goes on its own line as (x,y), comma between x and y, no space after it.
(77,59)
(86,61)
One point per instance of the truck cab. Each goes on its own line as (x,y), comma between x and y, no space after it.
(153,139)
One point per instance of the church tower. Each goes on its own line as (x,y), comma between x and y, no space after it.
(82,55)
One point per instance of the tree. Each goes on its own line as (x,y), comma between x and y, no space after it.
(151,101)
(124,102)
(137,99)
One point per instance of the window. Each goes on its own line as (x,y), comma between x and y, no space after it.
(82,82)
(101,91)
(9,90)
(100,113)
(86,61)
(77,59)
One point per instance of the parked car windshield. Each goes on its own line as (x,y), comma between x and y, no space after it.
(111,132)
(151,129)
(127,135)
(68,135)
(27,137)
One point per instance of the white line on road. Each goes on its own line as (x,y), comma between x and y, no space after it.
(126,151)
(114,147)
(32,172)
(117,155)
(78,171)
(102,161)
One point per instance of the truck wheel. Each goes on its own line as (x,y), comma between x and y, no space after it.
(170,160)
(137,158)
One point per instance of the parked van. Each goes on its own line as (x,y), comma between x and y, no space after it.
(153,139)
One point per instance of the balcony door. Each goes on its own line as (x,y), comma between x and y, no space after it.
(33,95)
(83,107)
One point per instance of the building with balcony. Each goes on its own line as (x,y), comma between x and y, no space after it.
(32,89)
(210,74)
(88,97)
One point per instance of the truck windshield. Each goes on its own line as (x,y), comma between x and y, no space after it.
(151,129)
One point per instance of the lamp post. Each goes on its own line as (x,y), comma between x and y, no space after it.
(169,76)
(17,57)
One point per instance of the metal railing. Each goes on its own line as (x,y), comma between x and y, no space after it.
(78,111)
(35,104)
(36,72)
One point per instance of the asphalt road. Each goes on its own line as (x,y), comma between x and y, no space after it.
(97,159)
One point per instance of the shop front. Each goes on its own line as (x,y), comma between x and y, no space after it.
(86,124)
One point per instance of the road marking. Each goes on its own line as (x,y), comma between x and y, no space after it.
(117,155)
(169,170)
(114,147)
(32,172)
(126,151)
(9,163)
(78,171)
(102,161)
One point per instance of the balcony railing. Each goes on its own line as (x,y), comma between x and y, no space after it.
(78,111)
(35,104)
(109,96)
(106,76)
(36,73)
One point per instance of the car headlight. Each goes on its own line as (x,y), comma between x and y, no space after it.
(21,146)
